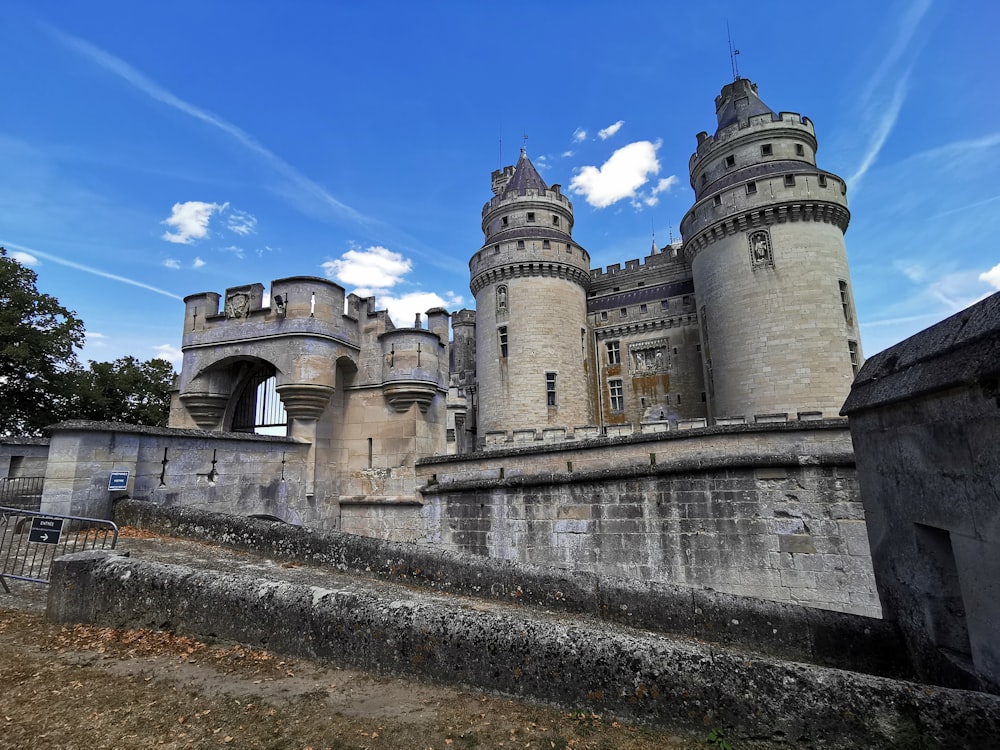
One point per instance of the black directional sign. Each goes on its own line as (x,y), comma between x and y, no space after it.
(45,530)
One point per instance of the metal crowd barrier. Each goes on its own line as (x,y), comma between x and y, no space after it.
(30,541)
(22,492)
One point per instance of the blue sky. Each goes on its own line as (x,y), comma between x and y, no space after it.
(156,150)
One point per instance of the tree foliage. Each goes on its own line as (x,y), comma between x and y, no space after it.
(38,342)
(125,390)
(41,380)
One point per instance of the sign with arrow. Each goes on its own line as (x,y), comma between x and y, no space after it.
(45,530)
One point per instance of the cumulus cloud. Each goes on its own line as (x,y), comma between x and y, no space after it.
(579,135)
(404,308)
(241,222)
(189,221)
(368,270)
(652,196)
(198,263)
(172,263)
(25,259)
(992,277)
(610,130)
(169,352)
(375,271)
(620,177)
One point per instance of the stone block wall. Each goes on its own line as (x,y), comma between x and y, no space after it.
(772,513)
(232,473)
(924,417)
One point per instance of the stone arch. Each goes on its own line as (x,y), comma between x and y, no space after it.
(212,395)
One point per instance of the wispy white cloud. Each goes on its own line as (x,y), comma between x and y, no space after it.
(906,28)
(234,250)
(567,154)
(652,196)
(197,263)
(172,263)
(368,270)
(610,130)
(90,270)
(190,221)
(305,186)
(886,122)
(579,135)
(620,177)
(241,222)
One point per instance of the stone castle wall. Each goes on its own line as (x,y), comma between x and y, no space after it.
(769,513)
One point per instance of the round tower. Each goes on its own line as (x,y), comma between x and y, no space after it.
(530,282)
(765,240)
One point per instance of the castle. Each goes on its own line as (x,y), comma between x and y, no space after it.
(749,319)
(675,419)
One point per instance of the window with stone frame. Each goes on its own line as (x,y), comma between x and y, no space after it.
(616,393)
(502,333)
(614,353)
(550,388)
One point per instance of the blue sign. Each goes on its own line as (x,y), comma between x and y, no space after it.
(118,481)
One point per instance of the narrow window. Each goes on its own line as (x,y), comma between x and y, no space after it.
(678,399)
(665,304)
(531,215)
(569,248)
(717,200)
(751,188)
(604,315)
(550,388)
(520,244)
(642,309)
(503,341)
(845,301)
(703,399)
(730,161)
(686,300)
(504,221)
(641,283)
(789,180)
(852,348)
(370,453)
(496,249)
(822,180)
(614,353)
(616,392)
(624,312)
(766,150)
(555,220)
(546,245)
(799,150)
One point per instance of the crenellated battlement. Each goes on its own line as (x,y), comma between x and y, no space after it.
(553,195)
(765,125)
(668,255)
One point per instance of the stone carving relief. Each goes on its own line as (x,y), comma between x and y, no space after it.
(760,249)
(649,356)
(238,305)
(502,297)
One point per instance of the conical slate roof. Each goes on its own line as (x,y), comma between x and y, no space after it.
(737,102)
(525,176)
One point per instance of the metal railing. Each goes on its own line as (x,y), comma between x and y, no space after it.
(30,541)
(22,492)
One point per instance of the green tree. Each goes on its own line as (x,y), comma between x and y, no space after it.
(38,343)
(125,390)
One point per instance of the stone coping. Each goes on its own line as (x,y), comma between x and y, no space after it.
(13,440)
(604,441)
(82,425)
(961,350)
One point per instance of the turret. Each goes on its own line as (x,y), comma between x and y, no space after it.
(765,240)
(530,282)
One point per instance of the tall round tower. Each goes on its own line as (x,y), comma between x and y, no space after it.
(530,283)
(765,240)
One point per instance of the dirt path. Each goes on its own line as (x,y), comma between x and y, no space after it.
(89,688)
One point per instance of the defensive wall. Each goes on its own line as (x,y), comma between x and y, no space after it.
(513,647)
(925,416)
(770,511)
(763,510)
